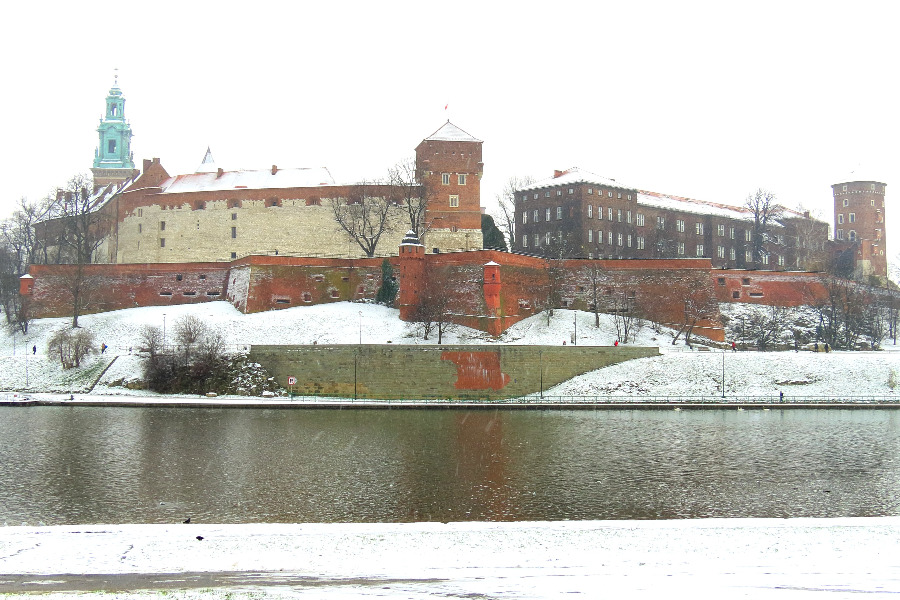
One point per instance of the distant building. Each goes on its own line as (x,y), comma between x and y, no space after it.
(113,161)
(859,225)
(596,217)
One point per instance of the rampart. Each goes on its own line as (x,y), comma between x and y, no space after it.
(426,372)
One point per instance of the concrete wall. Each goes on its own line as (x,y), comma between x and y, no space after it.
(404,371)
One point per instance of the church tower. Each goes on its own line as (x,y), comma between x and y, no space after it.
(113,162)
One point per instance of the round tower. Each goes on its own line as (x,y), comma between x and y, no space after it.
(859,220)
(411,265)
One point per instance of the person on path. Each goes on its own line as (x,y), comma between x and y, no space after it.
(616,344)
(781,396)
(34,349)
(827,349)
(816,347)
(103,348)
(733,347)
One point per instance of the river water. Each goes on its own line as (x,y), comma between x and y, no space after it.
(77,465)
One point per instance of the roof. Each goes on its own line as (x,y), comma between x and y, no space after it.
(251,180)
(451,133)
(573,176)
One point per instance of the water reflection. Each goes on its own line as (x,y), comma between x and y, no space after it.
(62,465)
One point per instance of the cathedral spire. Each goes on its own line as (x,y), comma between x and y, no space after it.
(113,161)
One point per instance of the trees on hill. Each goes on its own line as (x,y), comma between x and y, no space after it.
(365,215)
(765,210)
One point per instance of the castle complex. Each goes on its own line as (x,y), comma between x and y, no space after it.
(270,239)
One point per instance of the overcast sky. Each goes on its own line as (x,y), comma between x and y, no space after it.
(709,100)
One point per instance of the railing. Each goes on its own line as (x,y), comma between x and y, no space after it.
(616,400)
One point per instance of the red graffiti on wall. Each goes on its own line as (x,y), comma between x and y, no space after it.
(477,370)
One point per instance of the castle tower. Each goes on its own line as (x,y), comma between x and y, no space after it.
(449,166)
(859,219)
(411,265)
(113,161)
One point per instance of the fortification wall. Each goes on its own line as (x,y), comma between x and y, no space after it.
(449,372)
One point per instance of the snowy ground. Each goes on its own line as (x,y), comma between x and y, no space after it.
(678,372)
(715,558)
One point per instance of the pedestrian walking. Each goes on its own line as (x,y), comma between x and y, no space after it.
(827,349)
(816,347)
(781,396)
(103,348)
(616,343)
(733,347)
(34,349)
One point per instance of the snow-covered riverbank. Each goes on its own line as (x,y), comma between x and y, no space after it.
(714,558)
(679,371)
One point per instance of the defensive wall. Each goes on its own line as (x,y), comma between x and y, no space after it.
(425,372)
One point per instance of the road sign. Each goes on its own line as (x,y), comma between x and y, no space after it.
(292,380)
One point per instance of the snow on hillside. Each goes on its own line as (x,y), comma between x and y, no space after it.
(677,372)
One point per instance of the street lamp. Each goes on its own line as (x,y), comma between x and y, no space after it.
(575,341)
(360,328)
(164,332)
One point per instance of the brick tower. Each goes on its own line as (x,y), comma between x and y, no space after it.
(859,220)
(449,166)
(113,161)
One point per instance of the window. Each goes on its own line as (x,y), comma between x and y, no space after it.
(547,194)
(765,259)
(845,189)
(619,195)
(233,232)
(162,242)
(590,235)
(681,248)
(524,218)
(640,219)
(851,236)
(599,236)
(610,238)
(140,212)
(537,240)
(140,228)
(628,216)
(111,146)
(846,201)
(571,191)
(872,186)
(610,194)
(840,219)
(872,202)
(558,213)
(699,249)
(748,256)
(731,232)
(698,227)
(524,241)
(590,211)
(780,260)
(609,212)
(748,235)
(839,234)
(445,178)
(619,215)
(720,251)
(590,190)
(629,196)
(600,212)
(732,255)
(619,239)
(547,238)
(559,192)
(853,217)
(721,230)
(162,225)
(461,179)
(535,195)
(454,201)
(628,240)
(679,225)
(547,214)
(640,242)
(660,222)
(234,255)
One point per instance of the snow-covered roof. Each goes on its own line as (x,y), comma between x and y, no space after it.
(574,176)
(700,207)
(208,165)
(251,180)
(451,133)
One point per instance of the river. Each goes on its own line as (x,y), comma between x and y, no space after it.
(78,465)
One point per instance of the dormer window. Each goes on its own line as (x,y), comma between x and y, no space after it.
(111,146)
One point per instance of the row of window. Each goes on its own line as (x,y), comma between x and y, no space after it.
(851,218)
(559,192)
(851,235)
(460,178)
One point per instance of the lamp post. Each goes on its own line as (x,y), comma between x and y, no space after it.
(723,373)
(575,342)
(541,359)
(360,328)
(164,333)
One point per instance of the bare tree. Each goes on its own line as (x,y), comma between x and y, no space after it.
(765,211)
(189,330)
(557,252)
(365,215)
(506,200)
(699,304)
(596,279)
(71,346)
(624,315)
(410,191)
(436,305)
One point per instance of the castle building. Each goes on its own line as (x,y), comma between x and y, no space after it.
(859,224)
(579,214)
(113,162)
(210,215)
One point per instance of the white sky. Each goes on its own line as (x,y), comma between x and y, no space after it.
(703,99)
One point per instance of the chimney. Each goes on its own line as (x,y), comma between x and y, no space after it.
(219,172)
(806,214)
(558,173)
(274,169)
(147,163)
